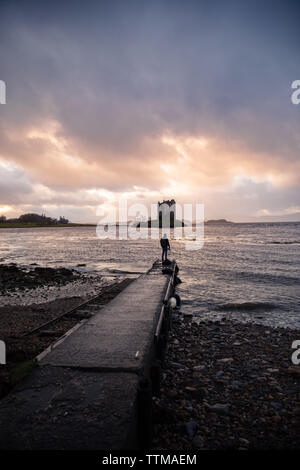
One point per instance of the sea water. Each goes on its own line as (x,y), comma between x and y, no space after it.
(244,272)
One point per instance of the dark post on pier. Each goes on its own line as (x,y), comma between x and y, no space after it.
(93,389)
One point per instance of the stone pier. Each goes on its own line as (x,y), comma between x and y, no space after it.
(93,389)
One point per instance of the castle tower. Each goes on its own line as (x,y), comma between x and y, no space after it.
(166,213)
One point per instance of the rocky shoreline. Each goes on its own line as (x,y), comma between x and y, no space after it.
(228,386)
(13,277)
(225,385)
(23,307)
(31,285)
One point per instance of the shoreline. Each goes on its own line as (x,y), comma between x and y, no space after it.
(17,225)
(225,384)
(207,222)
(34,284)
(228,386)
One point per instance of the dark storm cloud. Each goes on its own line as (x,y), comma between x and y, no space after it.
(113,71)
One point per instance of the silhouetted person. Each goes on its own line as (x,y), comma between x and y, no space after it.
(164,243)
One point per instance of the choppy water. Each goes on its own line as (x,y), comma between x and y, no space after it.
(246,272)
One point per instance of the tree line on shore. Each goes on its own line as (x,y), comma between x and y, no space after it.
(35,219)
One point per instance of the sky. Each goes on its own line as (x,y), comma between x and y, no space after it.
(143,101)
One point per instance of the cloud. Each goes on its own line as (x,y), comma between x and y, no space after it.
(14,184)
(180,99)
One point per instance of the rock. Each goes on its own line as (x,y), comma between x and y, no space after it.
(276,405)
(225,360)
(190,389)
(187,316)
(191,428)
(176,365)
(198,442)
(45,272)
(219,408)
(236,384)
(244,441)
(171,393)
(198,368)
(219,373)
(293,370)
(65,272)
(276,418)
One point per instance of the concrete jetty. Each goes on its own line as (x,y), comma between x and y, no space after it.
(93,389)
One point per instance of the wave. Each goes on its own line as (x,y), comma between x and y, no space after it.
(266,277)
(278,242)
(248,306)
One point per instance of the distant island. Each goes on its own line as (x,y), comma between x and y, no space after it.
(218,221)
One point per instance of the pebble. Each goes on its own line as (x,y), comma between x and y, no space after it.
(191,428)
(198,442)
(198,368)
(293,370)
(251,400)
(219,408)
(225,359)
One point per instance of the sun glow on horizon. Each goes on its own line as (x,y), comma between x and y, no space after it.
(4,209)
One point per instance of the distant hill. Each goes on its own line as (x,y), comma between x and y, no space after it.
(218,221)
(32,220)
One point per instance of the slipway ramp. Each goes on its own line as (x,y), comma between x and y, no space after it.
(93,388)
